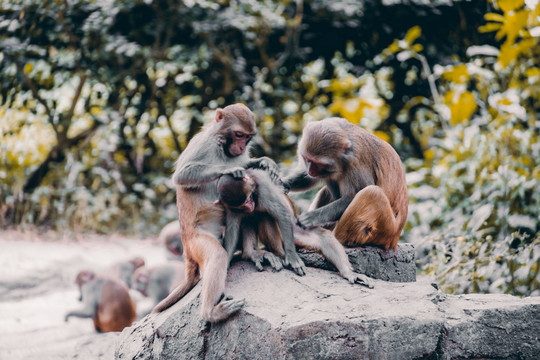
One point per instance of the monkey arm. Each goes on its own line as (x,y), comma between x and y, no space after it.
(274,203)
(299,180)
(232,233)
(265,163)
(325,214)
(195,173)
(86,312)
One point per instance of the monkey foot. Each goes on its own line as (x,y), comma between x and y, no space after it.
(297,264)
(258,257)
(225,309)
(359,279)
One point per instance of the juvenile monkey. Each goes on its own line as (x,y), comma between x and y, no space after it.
(256,200)
(157,282)
(220,148)
(124,270)
(105,300)
(260,203)
(365,190)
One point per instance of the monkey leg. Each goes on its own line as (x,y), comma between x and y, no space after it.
(325,242)
(190,280)
(323,197)
(368,219)
(257,256)
(214,262)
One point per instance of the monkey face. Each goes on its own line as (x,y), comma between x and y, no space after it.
(318,168)
(237,142)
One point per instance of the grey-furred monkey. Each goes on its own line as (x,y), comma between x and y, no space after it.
(220,148)
(124,270)
(158,281)
(105,300)
(364,194)
(262,207)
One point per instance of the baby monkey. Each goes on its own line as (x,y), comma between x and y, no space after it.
(262,207)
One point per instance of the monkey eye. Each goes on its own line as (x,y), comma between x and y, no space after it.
(239,134)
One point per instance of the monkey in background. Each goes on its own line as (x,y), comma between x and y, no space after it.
(260,203)
(105,300)
(365,192)
(124,270)
(158,281)
(220,148)
(170,237)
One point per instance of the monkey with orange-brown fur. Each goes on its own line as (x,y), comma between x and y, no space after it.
(218,149)
(105,300)
(364,196)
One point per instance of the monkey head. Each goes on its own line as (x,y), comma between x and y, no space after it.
(322,147)
(237,128)
(141,277)
(83,277)
(237,194)
(137,262)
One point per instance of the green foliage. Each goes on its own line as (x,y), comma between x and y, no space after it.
(476,197)
(98,98)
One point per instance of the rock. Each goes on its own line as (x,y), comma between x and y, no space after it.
(322,316)
(389,265)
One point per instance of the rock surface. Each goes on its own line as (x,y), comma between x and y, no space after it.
(321,316)
(392,265)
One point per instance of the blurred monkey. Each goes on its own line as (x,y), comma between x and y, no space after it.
(105,300)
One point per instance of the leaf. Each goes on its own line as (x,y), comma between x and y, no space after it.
(522,221)
(479,216)
(413,34)
(28,68)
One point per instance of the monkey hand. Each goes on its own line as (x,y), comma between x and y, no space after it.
(271,168)
(307,220)
(236,172)
(296,263)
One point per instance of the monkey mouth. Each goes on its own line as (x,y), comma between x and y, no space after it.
(249,204)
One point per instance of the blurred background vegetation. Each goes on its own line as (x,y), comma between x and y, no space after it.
(98,98)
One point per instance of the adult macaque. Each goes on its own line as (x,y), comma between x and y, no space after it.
(157,282)
(105,300)
(220,148)
(365,190)
(254,198)
(170,237)
(124,270)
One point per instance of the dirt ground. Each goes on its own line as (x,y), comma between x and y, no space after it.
(37,271)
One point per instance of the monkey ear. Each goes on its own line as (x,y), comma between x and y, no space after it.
(220,115)
(347,145)
(217,202)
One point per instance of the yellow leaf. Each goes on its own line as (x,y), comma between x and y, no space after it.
(382,135)
(462,106)
(95,110)
(510,5)
(458,74)
(413,34)
(418,48)
(489,27)
(28,68)
(394,47)
(494,17)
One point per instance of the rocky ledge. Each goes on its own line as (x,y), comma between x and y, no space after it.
(322,316)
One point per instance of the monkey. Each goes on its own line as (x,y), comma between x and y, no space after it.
(157,282)
(257,196)
(364,198)
(170,237)
(105,300)
(219,148)
(124,270)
